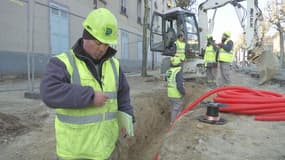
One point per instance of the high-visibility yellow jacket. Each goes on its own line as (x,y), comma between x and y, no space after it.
(91,132)
(172,90)
(210,55)
(180,50)
(225,56)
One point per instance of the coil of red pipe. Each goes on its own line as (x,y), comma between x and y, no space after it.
(265,105)
(253,102)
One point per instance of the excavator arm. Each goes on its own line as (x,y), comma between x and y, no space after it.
(166,25)
(249,18)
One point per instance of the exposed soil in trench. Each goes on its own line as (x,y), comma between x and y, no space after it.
(27,131)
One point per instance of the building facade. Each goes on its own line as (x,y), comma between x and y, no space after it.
(34,30)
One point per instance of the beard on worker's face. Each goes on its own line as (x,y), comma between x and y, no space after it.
(95,55)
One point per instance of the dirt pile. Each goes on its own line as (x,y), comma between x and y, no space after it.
(10,126)
(32,128)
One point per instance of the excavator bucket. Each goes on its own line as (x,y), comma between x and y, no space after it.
(267,64)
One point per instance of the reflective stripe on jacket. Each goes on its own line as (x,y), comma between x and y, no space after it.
(90,132)
(180,49)
(210,55)
(225,56)
(172,90)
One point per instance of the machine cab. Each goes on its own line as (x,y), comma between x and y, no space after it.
(165,27)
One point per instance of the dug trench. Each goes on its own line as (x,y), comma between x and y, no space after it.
(240,138)
(152,116)
(27,125)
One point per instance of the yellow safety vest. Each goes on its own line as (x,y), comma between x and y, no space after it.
(210,55)
(91,132)
(172,90)
(225,56)
(180,50)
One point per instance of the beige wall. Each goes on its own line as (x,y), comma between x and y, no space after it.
(13,20)
(14,26)
(14,39)
(41,29)
(14,23)
(80,8)
(129,24)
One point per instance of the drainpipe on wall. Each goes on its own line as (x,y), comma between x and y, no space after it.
(30,49)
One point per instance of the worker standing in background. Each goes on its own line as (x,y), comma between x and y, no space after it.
(210,61)
(180,47)
(225,58)
(175,86)
(87,87)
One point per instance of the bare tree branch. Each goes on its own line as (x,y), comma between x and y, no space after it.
(276,16)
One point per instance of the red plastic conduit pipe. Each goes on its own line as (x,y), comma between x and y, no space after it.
(252,103)
(244,100)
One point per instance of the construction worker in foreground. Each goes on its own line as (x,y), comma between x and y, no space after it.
(87,87)
(211,62)
(180,47)
(225,59)
(175,86)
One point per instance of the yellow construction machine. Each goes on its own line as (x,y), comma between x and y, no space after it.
(165,26)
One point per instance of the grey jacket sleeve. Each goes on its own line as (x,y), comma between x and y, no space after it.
(229,46)
(124,102)
(57,91)
(179,82)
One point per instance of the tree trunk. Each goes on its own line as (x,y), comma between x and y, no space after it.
(145,22)
(281,49)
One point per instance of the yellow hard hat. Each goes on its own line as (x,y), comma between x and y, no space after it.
(209,36)
(102,25)
(227,34)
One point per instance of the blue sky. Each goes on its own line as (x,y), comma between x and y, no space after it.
(227,20)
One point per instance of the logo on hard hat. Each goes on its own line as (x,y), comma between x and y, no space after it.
(88,27)
(108,31)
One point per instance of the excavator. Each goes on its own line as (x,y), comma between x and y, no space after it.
(165,27)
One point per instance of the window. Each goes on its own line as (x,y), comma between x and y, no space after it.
(95,4)
(54,10)
(124,8)
(139,12)
(123,3)
(103,1)
(63,13)
(125,45)
(59,28)
(155,5)
(139,47)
